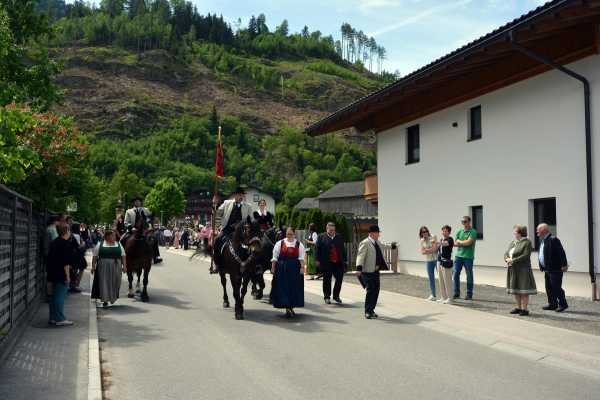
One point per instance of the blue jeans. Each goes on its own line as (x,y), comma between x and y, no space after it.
(459,263)
(431,273)
(57,303)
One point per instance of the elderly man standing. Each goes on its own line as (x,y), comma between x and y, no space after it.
(369,261)
(330,255)
(231,212)
(553,262)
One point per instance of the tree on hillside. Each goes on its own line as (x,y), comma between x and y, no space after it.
(113,7)
(166,198)
(55,9)
(261,24)
(305,32)
(283,29)
(252,27)
(136,8)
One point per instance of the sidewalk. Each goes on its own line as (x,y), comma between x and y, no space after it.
(50,362)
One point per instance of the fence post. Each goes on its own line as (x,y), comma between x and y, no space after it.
(28,258)
(394,258)
(13,259)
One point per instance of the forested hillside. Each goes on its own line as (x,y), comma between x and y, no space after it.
(149,81)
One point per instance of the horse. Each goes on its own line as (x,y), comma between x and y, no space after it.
(263,260)
(239,261)
(138,255)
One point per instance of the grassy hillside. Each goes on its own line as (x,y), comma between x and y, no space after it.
(117,93)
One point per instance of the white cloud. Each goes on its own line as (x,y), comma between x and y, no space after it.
(438,9)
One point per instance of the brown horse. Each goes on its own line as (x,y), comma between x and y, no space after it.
(138,255)
(239,261)
(263,260)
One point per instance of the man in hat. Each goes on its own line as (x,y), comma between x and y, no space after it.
(139,211)
(230,212)
(369,261)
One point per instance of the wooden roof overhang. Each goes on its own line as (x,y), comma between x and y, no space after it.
(562,30)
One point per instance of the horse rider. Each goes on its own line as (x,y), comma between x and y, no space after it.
(231,212)
(139,211)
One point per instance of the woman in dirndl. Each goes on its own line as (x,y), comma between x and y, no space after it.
(108,263)
(288,269)
(311,241)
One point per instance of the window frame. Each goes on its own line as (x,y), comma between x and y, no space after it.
(536,220)
(411,131)
(470,136)
(472,210)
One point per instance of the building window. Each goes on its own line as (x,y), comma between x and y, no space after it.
(544,211)
(475,123)
(477,220)
(412,144)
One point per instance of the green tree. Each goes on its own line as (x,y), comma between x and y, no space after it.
(113,7)
(283,29)
(166,198)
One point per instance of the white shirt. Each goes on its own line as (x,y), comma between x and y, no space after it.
(277,249)
(313,237)
(96,250)
(167,233)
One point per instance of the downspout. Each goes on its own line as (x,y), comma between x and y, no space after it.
(588,149)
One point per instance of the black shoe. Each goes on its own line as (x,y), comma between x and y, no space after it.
(561,309)
(368,315)
(469,297)
(549,308)
(373,315)
(524,313)
(337,300)
(327,301)
(157,260)
(516,311)
(456,296)
(74,290)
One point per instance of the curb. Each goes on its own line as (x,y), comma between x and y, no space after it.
(94,372)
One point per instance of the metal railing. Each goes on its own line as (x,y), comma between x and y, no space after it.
(22,274)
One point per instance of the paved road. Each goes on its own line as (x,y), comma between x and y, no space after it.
(183,345)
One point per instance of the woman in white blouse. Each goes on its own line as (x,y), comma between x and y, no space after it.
(288,270)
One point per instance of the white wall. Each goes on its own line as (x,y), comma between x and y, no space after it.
(533,146)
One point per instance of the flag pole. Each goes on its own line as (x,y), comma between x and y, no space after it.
(214,203)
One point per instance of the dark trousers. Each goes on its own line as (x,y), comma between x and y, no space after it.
(371,281)
(155,251)
(337,271)
(554,290)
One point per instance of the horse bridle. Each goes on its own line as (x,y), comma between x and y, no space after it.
(236,257)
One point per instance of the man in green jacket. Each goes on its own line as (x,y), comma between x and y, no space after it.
(464,242)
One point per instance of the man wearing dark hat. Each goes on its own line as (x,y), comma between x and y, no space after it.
(230,212)
(369,261)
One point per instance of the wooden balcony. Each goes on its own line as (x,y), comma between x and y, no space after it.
(371,189)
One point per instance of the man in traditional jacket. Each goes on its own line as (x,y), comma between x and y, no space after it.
(230,212)
(138,210)
(330,254)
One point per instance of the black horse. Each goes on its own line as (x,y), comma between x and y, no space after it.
(138,254)
(239,261)
(263,260)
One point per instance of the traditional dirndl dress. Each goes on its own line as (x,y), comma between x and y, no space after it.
(107,279)
(288,282)
(311,268)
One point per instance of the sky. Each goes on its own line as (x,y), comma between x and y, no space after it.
(414,32)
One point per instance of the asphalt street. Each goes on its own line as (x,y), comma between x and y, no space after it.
(184,345)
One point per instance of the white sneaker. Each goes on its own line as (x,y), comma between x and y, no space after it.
(440,300)
(448,301)
(432,298)
(65,322)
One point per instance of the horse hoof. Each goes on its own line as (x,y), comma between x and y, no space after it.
(131,295)
(145,298)
(259,296)
(225,305)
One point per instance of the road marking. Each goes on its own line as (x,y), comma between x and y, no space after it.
(94,374)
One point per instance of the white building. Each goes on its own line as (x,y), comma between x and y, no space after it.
(492,132)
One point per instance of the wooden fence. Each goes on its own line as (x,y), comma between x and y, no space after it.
(22,274)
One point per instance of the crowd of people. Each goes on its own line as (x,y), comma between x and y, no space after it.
(520,281)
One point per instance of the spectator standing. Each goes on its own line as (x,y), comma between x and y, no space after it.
(465,254)
(445,247)
(369,260)
(108,262)
(429,248)
(311,241)
(79,261)
(176,238)
(288,267)
(553,262)
(330,254)
(168,234)
(60,259)
(185,238)
(519,277)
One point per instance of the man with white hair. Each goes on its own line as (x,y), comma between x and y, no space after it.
(553,262)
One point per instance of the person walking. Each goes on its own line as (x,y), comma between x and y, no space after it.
(429,248)
(79,261)
(311,241)
(369,261)
(445,247)
(465,254)
(330,255)
(553,262)
(108,263)
(288,269)
(60,259)
(519,277)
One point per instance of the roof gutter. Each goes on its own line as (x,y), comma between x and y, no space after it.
(588,148)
